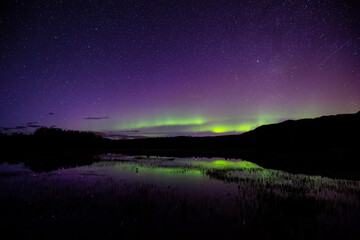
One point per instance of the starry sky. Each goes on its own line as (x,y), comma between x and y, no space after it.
(176,67)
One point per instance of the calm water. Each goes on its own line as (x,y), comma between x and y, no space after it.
(135,196)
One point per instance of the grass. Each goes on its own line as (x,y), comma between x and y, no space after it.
(176,198)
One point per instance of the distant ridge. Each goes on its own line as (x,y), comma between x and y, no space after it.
(334,131)
(327,145)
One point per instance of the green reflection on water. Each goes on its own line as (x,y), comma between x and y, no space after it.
(227,170)
(248,175)
(152,168)
(190,169)
(172,171)
(227,164)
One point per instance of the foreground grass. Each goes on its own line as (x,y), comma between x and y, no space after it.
(175,198)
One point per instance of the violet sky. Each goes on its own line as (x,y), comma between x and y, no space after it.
(176,66)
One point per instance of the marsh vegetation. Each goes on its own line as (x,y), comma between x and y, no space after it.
(140,196)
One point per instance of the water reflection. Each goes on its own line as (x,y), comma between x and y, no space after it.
(141,196)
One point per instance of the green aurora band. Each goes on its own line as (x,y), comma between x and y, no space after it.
(158,122)
(199,124)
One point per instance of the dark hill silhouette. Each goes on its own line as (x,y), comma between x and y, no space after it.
(338,131)
(326,145)
(329,132)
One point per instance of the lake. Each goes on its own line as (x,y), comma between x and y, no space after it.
(164,197)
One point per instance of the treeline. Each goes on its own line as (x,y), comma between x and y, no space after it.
(44,139)
(51,148)
(321,145)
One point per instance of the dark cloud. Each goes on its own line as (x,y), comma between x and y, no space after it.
(20,127)
(117,136)
(51,113)
(31,123)
(129,131)
(34,126)
(96,118)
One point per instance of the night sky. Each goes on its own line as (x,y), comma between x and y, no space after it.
(176,67)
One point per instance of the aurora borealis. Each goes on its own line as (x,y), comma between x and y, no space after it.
(176,67)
